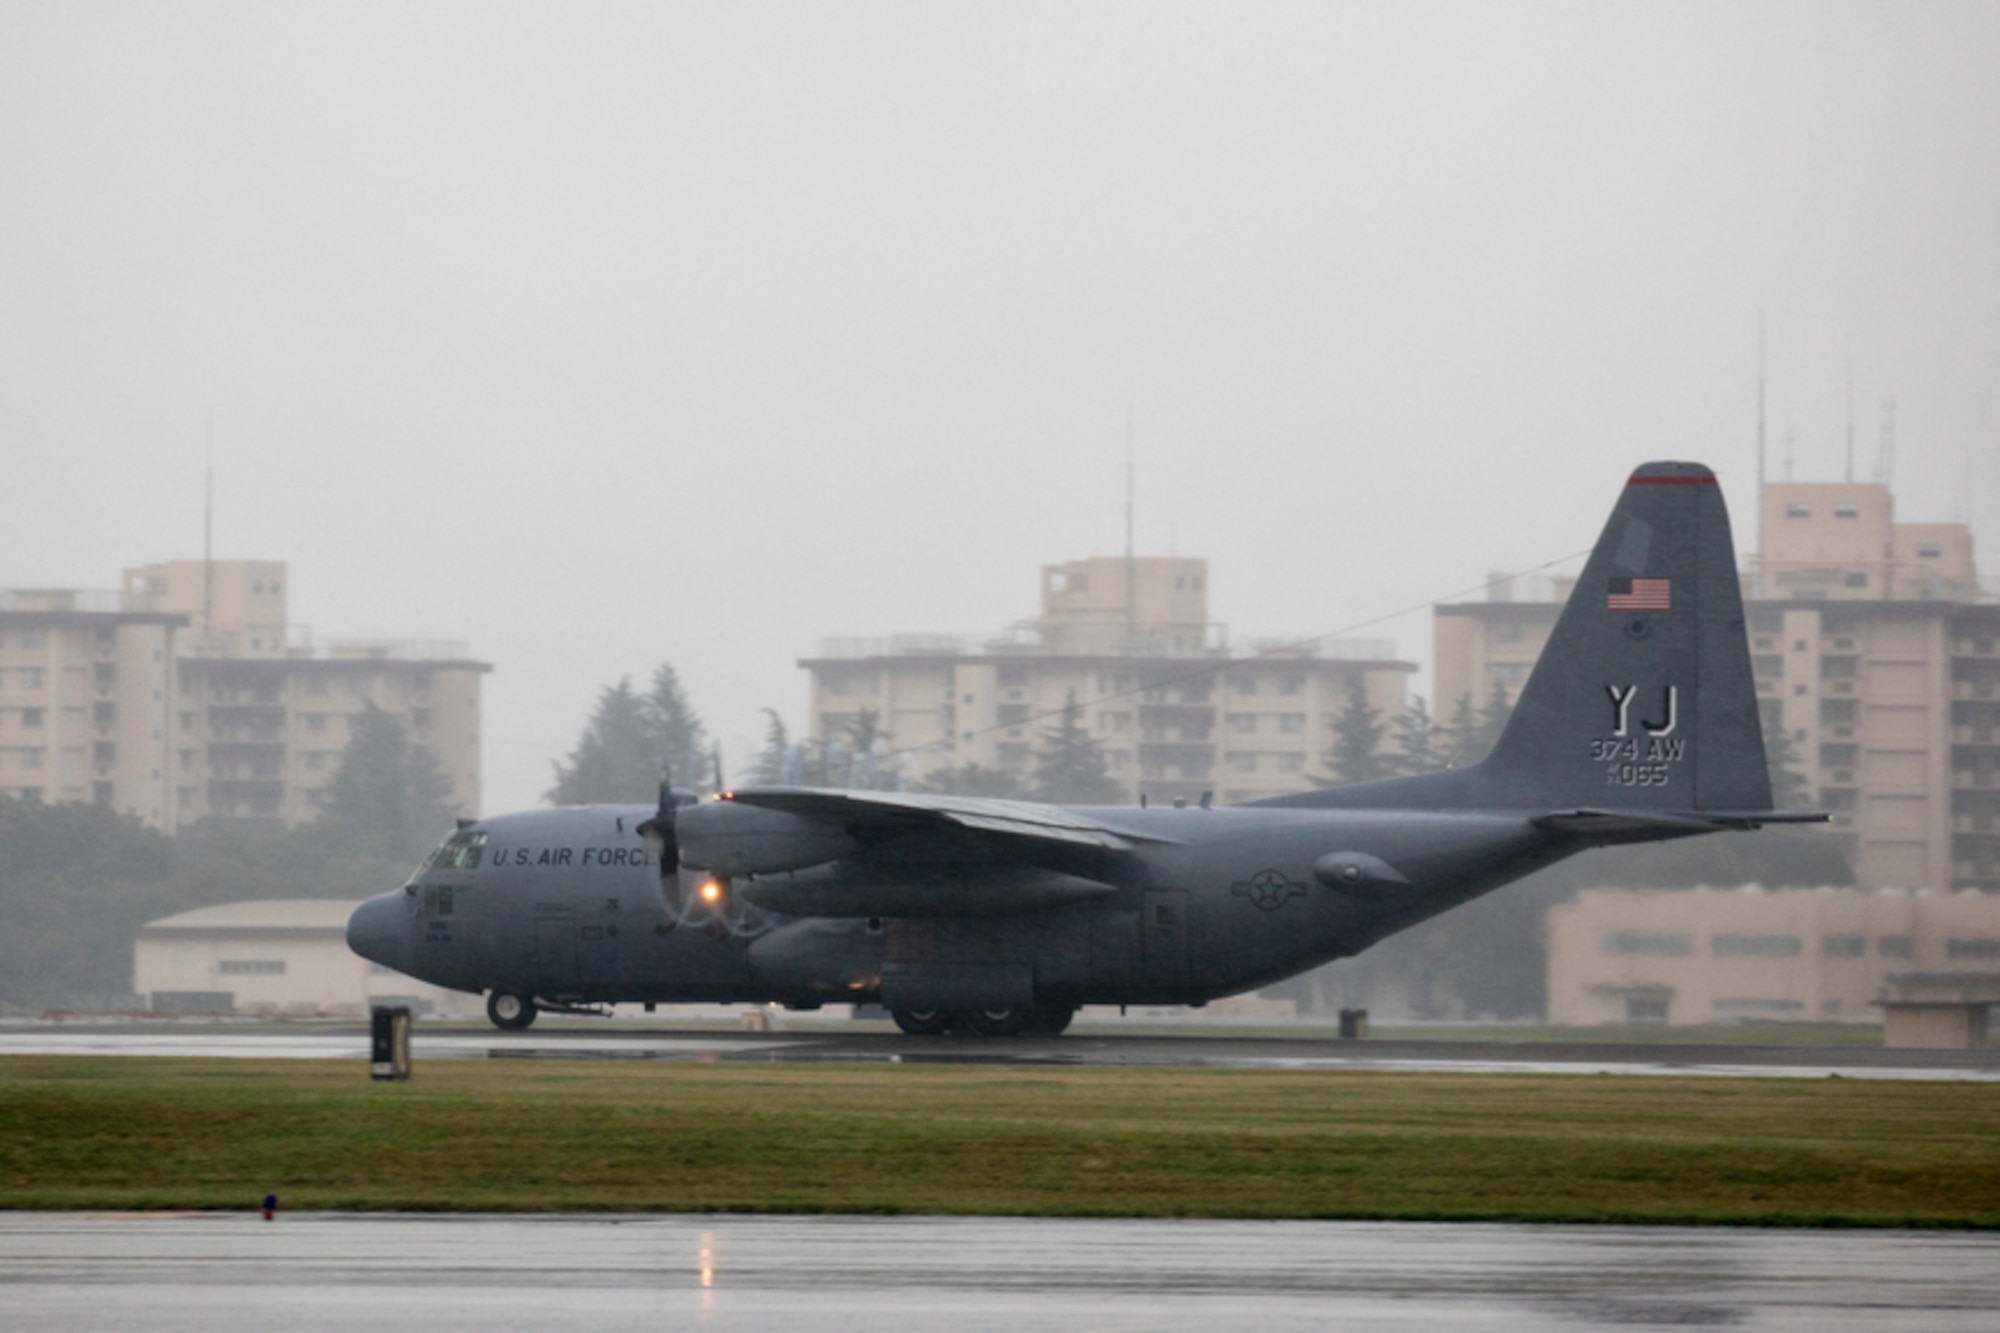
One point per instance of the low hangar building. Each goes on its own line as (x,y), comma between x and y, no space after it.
(271,957)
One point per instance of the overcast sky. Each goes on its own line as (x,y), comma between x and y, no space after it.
(597,335)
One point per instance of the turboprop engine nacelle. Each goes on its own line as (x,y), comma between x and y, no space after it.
(725,838)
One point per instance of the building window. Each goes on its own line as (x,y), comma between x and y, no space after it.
(1857,580)
(1291,684)
(31,678)
(1011,715)
(103,754)
(1930,553)
(31,719)
(1291,724)
(1291,761)
(1243,761)
(1243,684)
(1838,711)
(1966,949)
(253,967)
(1845,946)
(1243,724)
(1758,946)
(1649,944)
(1648,1008)
(1846,511)
(1012,676)
(1798,511)
(1896,946)
(104,712)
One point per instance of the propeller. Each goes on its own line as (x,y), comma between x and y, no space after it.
(660,833)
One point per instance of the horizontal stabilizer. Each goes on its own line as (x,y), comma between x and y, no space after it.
(1639,825)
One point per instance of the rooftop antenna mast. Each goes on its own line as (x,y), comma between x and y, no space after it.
(208,535)
(1760,449)
(1130,563)
(1850,422)
(1885,457)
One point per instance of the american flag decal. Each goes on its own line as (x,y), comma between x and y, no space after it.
(1640,595)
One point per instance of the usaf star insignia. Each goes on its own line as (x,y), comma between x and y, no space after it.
(1268,889)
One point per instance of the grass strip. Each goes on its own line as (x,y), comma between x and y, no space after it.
(511,1136)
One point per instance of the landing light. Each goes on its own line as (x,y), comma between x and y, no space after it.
(711,892)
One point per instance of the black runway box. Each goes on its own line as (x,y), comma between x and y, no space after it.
(389,1041)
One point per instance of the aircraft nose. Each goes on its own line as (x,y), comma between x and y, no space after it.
(379,931)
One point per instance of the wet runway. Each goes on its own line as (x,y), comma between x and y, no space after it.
(583,1040)
(391,1274)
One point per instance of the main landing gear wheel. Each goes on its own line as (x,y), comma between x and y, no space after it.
(1049,1020)
(922,1022)
(509,1011)
(1010,1021)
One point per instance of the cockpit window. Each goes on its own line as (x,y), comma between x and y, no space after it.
(461,851)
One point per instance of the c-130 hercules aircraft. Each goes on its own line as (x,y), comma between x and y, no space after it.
(1000,917)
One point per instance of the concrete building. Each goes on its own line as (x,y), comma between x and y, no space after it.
(86,690)
(1179,712)
(273,957)
(1877,653)
(1721,955)
(189,693)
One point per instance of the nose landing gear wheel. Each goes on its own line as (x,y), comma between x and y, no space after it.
(509,1011)
(922,1022)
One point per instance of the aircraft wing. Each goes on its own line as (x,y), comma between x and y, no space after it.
(866,813)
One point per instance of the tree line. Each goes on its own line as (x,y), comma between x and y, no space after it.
(78,881)
(632,740)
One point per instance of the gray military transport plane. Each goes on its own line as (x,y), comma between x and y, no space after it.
(1001,917)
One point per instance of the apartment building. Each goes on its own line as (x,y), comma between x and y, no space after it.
(1876,652)
(86,690)
(189,693)
(1179,712)
(1725,955)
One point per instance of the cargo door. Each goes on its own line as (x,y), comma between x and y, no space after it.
(1163,937)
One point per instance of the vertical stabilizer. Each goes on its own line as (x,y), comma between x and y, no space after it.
(1643,698)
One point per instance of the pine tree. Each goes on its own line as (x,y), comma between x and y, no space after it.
(863,741)
(1416,739)
(774,764)
(1356,752)
(387,798)
(674,731)
(1070,766)
(1491,722)
(616,758)
(1459,735)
